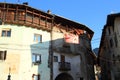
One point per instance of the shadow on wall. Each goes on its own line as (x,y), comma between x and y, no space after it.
(42,53)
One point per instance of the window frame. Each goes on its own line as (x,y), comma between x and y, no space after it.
(111,42)
(6,33)
(55,58)
(36,56)
(37,38)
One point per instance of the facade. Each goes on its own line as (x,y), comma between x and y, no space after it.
(36,45)
(72,55)
(24,42)
(109,59)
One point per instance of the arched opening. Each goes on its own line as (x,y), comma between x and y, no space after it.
(64,76)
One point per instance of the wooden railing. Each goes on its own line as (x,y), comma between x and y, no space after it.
(64,66)
(24,16)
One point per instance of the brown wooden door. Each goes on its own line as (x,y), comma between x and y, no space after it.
(62,58)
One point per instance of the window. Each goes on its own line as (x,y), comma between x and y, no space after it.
(6,32)
(36,58)
(111,43)
(55,58)
(3,55)
(109,30)
(62,57)
(35,77)
(37,38)
(0,21)
(116,40)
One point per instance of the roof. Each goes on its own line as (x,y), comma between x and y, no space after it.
(110,19)
(76,25)
(24,6)
(56,18)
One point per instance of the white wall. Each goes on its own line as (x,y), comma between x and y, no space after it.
(19,48)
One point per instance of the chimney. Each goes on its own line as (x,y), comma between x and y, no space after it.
(25,3)
(48,11)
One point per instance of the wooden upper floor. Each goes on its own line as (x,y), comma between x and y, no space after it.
(22,14)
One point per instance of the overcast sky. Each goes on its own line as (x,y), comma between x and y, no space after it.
(92,13)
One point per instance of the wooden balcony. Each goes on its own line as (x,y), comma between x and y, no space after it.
(64,66)
(25,15)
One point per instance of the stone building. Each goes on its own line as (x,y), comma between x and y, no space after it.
(109,52)
(37,45)
(73,58)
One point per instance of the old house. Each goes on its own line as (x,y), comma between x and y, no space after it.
(24,42)
(109,52)
(72,55)
(37,45)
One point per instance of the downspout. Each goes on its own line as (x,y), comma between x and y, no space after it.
(51,50)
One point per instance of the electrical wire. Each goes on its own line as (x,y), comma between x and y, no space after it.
(109,60)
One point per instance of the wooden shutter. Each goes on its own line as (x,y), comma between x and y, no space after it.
(3,55)
(62,58)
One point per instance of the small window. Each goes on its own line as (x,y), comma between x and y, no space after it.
(35,77)
(36,58)
(0,21)
(109,30)
(37,38)
(111,43)
(55,58)
(3,55)
(6,32)
(116,40)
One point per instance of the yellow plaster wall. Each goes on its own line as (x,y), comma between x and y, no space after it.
(12,62)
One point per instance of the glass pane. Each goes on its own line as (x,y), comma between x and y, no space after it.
(37,37)
(34,37)
(38,58)
(55,59)
(3,33)
(33,58)
(9,33)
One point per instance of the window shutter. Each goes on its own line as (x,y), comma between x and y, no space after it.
(3,55)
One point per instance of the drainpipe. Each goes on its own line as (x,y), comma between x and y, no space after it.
(51,50)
